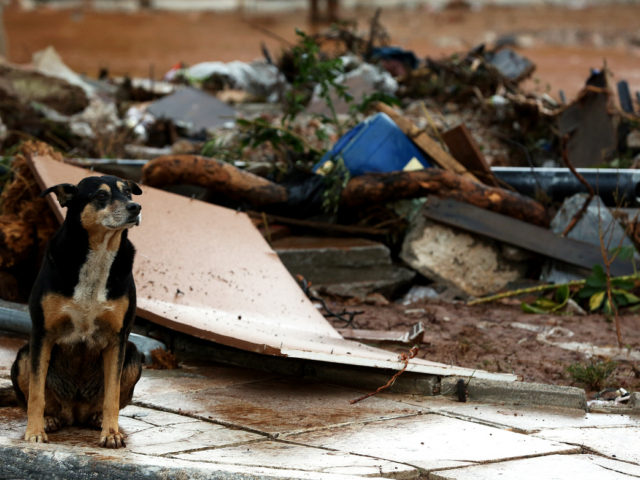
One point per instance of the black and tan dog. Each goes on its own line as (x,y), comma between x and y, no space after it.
(79,368)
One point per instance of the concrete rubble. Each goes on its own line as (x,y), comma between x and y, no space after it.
(472,264)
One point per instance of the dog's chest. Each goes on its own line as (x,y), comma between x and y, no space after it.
(89,301)
(93,277)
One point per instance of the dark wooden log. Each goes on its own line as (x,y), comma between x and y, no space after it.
(367,189)
(206,172)
(384,187)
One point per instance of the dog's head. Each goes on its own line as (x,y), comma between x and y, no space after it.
(100,202)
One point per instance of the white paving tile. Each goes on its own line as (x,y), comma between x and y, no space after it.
(275,454)
(551,467)
(430,441)
(522,418)
(622,443)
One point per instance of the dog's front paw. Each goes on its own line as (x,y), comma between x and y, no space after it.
(112,439)
(36,436)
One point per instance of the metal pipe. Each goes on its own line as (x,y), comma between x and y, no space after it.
(14,317)
(616,187)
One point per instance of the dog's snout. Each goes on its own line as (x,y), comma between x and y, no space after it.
(134,208)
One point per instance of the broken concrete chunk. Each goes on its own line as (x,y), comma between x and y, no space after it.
(349,267)
(471,264)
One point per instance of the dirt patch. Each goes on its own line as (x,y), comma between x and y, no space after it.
(494,338)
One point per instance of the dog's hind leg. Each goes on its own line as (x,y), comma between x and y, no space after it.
(54,417)
(20,375)
(38,367)
(131,371)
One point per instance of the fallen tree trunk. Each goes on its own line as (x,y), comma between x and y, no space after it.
(366,189)
(206,172)
(384,187)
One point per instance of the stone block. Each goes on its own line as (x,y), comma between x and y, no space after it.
(472,264)
(349,267)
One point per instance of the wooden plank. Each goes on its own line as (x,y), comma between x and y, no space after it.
(464,149)
(521,234)
(426,143)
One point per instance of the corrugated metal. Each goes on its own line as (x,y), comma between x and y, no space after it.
(206,271)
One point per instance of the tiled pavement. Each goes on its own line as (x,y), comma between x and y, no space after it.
(214,421)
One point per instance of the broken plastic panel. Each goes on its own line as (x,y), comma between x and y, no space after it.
(206,271)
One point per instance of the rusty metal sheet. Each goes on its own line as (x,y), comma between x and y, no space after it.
(206,271)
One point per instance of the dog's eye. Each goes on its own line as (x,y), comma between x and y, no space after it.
(127,192)
(102,195)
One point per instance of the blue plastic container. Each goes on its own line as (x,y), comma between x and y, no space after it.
(375,145)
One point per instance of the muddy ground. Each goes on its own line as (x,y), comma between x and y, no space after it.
(493,337)
(564,43)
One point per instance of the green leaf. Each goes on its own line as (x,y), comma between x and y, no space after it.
(598,277)
(629,297)
(624,253)
(586,292)
(608,307)
(529,308)
(562,294)
(596,300)
(545,305)
(623,283)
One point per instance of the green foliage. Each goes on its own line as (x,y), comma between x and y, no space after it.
(595,292)
(260,130)
(336,180)
(313,68)
(594,374)
(561,296)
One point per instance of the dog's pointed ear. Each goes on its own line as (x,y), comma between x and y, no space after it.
(135,189)
(64,193)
